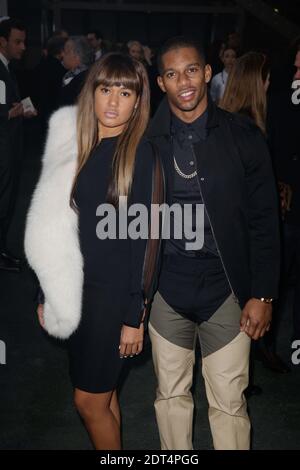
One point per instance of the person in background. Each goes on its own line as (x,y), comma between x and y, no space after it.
(284,119)
(61,33)
(48,75)
(246,94)
(12,47)
(95,39)
(246,89)
(219,81)
(297,65)
(78,56)
(135,50)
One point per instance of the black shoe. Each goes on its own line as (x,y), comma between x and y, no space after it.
(273,362)
(7,265)
(9,256)
(252,390)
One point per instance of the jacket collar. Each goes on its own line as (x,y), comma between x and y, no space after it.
(160,124)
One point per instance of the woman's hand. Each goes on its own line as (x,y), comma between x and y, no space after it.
(131,341)
(40,312)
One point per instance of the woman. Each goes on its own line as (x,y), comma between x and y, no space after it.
(92,283)
(218,83)
(246,93)
(247,86)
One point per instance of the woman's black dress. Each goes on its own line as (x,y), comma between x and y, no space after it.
(112,293)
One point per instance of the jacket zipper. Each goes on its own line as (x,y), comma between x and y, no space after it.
(212,229)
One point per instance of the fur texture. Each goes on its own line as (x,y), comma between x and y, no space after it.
(51,236)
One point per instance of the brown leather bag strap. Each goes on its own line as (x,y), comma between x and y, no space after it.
(153,245)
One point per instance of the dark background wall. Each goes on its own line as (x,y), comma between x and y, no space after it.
(153,28)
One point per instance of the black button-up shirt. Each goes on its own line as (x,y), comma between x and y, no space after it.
(192,282)
(187,191)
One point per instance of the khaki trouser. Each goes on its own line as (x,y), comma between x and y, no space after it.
(225,364)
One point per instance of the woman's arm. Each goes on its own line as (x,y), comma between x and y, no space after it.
(141,193)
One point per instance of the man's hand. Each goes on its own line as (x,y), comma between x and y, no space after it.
(256,318)
(40,312)
(131,341)
(16,111)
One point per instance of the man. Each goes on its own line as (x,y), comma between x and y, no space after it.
(12,46)
(77,58)
(95,39)
(49,74)
(223,291)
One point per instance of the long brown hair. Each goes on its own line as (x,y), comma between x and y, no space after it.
(244,92)
(113,69)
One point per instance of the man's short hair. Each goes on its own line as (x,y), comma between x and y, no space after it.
(83,49)
(96,32)
(55,45)
(7,25)
(178,42)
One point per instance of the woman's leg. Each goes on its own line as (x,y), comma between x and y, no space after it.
(99,412)
(115,408)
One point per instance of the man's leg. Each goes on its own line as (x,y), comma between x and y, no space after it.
(173,340)
(225,368)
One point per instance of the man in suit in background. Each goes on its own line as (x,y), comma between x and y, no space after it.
(48,75)
(78,56)
(12,47)
(95,39)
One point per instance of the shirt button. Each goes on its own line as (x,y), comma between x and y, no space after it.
(192,163)
(190,137)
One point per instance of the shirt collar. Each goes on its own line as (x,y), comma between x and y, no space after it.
(68,77)
(4,60)
(182,130)
(160,124)
(98,54)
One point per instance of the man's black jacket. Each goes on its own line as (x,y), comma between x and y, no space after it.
(238,189)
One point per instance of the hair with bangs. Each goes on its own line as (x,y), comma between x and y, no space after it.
(245,92)
(114,69)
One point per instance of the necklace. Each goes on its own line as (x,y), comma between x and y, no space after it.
(183,175)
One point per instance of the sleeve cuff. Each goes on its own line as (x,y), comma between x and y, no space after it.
(40,296)
(259,292)
(135,311)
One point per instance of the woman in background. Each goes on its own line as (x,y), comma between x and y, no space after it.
(246,89)
(246,93)
(218,83)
